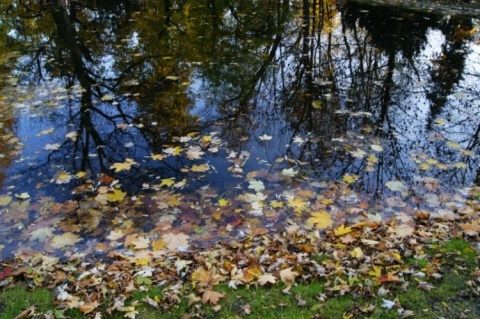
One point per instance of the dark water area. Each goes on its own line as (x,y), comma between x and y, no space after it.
(206,114)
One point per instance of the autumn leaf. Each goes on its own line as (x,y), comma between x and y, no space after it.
(321,219)
(342,230)
(288,276)
(212,297)
(52,147)
(157,157)
(194,153)
(266,278)
(125,166)
(222,202)
(138,242)
(176,242)
(66,239)
(200,168)
(116,196)
(167,182)
(472,228)
(5,200)
(174,151)
(256,185)
(350,179)
(297,204)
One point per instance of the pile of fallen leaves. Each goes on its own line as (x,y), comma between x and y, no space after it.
(365,258)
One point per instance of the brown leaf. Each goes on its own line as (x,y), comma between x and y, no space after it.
(212,297)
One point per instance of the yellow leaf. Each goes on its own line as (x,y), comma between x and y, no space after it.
(167,182)
(157,157)
(200,168)
(375,272)
(5,200)
(81,174)
(125,166)
(350,179)
(297,204)
(357,253)
(158,244)
(342,230)
(116,196)
(322,219)
(66,239)
(222,202)
(276,204)
(206,138)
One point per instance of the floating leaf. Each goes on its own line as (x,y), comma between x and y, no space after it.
(376,148)
(256,185)
(125,166)
(52,147)
(265,137)
(200,168)
(5,200)
(66,239)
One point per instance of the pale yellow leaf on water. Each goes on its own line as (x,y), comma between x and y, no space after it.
(66,239)
(5,200)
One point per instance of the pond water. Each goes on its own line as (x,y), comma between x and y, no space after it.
(134,125)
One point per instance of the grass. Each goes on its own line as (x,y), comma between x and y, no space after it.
(451,297)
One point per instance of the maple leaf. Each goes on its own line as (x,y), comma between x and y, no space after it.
(403,230)
(376,148)
(357,253)
(192,298)
(265,137)
(256,185)
(358,153)
(66,239)
(158,244)
(116,196)
(472,228)
(157,157)
(276,204)
(139,242)
(266,278)
(397,186)
(288,276)
(194,152)
(212,297)
(387,304)
(200,168)
(289,172)
(222,202)
(125,166)
(350,179)
(322,219)
(297,204)
(167,182)
(52,147)
(5,200)
(174,151)
(176,242)
(342,230)
(42,234)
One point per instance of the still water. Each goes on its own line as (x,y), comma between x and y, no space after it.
(209,119)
